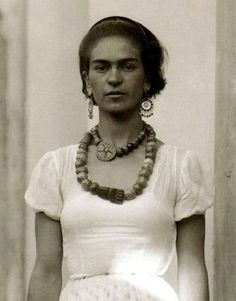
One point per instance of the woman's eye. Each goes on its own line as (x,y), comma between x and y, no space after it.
(100,68)
(129,67)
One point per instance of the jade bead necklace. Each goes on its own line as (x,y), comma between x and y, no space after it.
(117,195)
(106,152)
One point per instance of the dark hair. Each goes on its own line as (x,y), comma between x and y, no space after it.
(152,52)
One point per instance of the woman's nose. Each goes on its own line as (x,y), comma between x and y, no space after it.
(114,77)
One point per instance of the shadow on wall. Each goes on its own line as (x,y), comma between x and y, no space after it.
(3,162)
(12,150)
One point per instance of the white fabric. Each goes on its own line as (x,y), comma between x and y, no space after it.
(136,237)
(119,288)
(43,193)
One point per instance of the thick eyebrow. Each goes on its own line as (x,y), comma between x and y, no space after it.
(122,61)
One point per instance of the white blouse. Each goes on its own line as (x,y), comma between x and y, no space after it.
(136,237)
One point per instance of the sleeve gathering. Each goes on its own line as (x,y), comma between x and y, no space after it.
(195,188)
(43,193)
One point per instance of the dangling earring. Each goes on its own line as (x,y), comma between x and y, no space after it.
(90,102)
(146,107)
(90,108)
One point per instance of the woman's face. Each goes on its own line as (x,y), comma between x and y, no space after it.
(116,75)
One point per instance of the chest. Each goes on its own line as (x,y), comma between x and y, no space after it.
(120,172)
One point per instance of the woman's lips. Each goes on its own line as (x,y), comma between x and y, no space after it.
(115,94)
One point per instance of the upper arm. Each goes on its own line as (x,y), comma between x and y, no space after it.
(190,238)
(48,242)
(192,273)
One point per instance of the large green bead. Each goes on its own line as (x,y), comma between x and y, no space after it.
(150,148)
(149,161)
(142,181)
(150,155)
(86,184)
(125,150)
(93,187)
(79,163)
(81,169)
(137,189)
(82,176)
(145,172)
(81,151)
(119,152)
(151,143)
(147,166)
(130,194)
(83,145)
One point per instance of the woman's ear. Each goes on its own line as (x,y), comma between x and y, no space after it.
(147,85)
(88,86)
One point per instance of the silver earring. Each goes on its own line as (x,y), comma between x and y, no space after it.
(146,107)
(90,109)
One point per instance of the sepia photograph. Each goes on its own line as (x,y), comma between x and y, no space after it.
(117,150)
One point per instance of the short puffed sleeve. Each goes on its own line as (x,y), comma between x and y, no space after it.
(195,188)
(43,193)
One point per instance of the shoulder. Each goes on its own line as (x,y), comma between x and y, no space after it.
(176,153)
(61,153)
(66,152)
(57,159)
(179,159)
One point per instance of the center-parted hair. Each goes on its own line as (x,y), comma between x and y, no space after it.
(152,52)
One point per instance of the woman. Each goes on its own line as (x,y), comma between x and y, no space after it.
(116,204)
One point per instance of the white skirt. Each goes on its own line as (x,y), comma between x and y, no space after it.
(118,288)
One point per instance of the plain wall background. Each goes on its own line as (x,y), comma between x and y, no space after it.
(56,112)
(55,108)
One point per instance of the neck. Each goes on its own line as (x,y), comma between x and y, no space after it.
(119,129)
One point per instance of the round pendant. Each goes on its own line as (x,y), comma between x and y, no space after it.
(105,151)
(147,105)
